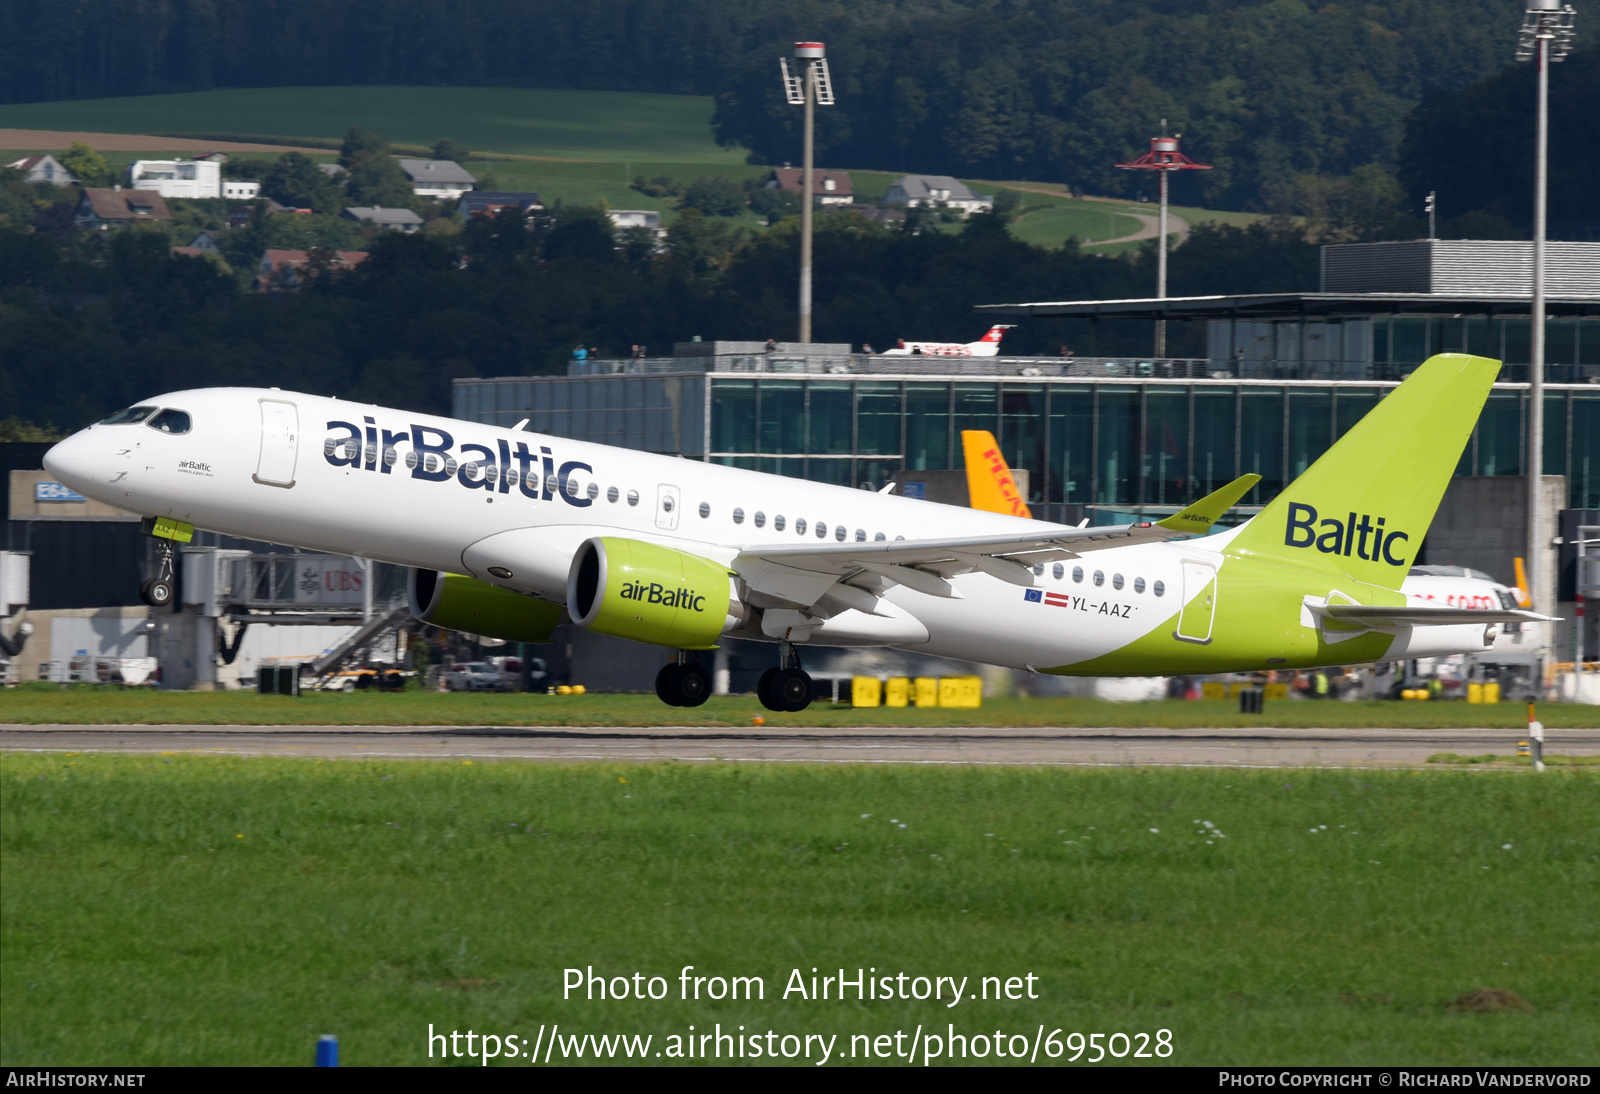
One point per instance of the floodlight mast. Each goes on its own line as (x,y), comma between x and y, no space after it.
(1546,37)
(1163,158)
(810,88)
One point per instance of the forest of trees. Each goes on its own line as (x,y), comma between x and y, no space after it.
(88,322)
(1266,90)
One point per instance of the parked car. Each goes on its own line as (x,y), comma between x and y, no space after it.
(511,672)
(474,676)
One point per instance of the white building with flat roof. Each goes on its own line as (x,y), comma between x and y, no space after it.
(177,178)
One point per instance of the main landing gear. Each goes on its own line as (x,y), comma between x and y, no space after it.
(159,590)
(685,682)
(786,688)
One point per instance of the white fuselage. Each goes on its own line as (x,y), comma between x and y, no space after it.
(439,493)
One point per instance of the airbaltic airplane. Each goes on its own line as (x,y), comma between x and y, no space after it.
(987,346)
(504,529)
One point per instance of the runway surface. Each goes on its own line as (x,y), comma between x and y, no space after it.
(1254,747)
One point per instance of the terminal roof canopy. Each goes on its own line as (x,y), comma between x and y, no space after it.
(1310,305)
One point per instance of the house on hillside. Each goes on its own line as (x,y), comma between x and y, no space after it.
(44,168)
(648,219)
(204,243)
(176,178)
(399,220)
(827,187)
(480,203)
(284,270)
(241,189)
(442,179)
(116,208)
(937,192)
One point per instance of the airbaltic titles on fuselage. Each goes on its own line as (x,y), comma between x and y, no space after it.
(535,474)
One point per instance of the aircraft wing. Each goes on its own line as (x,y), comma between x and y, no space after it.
(803,573)
(1364,615)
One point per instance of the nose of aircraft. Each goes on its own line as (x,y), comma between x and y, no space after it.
(73,462)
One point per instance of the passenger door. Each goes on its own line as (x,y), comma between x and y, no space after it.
(280,443)
(1199,602)
(667,506)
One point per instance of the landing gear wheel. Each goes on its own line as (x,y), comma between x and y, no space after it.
(157,592)
(764,690)
(692,686)
(666,685)
(791,688)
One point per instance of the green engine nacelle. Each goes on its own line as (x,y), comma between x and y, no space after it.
(648,593)
(461,603)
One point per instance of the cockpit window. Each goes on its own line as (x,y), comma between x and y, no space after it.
(170,421)
(131,416)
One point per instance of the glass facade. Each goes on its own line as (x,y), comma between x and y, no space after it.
(1388,347)
(1145,446)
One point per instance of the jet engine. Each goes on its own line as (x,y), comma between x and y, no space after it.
(654,594)
(461,603)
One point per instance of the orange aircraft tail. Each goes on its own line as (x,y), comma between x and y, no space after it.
(1524,599)
(990,484)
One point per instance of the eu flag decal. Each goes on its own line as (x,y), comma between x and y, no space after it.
(1033,596)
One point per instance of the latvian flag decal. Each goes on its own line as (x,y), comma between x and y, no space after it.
(1039,596)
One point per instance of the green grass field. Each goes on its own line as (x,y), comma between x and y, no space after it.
(36,703)
(206,910)
(585,125)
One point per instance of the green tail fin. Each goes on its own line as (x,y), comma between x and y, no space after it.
(1200,516)
(1363,508)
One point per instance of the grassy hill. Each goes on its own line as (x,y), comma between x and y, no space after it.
(580,125)
(577,147)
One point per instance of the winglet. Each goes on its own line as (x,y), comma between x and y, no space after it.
(1523,596)
(1200,516)
(990,484)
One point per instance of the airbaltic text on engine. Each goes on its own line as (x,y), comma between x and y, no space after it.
(655,593)
(1340,536)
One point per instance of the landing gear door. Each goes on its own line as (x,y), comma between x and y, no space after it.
(667,505)
(1199,602)
(280,443)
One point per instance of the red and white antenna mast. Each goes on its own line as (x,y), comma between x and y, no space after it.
(1164,158)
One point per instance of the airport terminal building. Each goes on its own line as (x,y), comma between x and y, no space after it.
(1285,376)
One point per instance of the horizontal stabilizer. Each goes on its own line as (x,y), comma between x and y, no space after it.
(1364,615)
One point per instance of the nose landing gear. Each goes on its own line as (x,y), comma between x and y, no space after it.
(683,683)
(159,590)
(786,688)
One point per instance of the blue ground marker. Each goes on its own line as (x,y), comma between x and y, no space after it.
(327,1050)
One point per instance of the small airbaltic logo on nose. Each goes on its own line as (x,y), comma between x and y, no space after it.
(1369,541)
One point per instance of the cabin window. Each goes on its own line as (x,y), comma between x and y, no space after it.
(738,516)
(861,535)
(880,537)
(777,523)
(1099,577)
(800,527)
(1138,584)
(611,494)
(1116,581)
(760,519)
(593,491)
(170,421)
(1159,588)
(840,532)
(705,510)
(633,497)
(1077,574)
(132,416)
(1038,569)
(1057,570)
